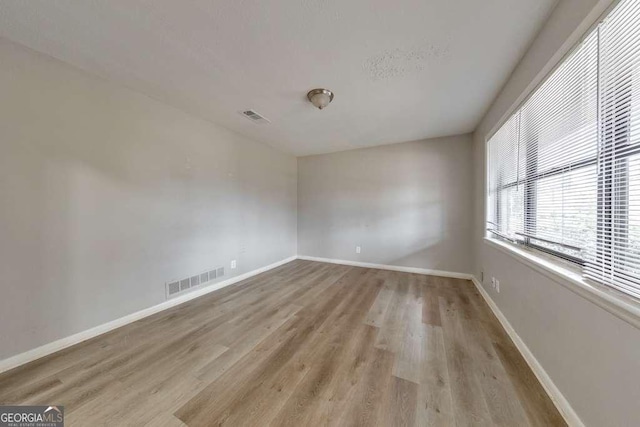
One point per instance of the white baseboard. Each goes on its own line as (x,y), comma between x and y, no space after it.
(554,393)
(52,347)
(416,270)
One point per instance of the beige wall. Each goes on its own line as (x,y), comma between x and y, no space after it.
(592,356)
(105,194)
(405,204)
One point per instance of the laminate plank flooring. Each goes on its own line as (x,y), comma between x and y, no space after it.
(304,344)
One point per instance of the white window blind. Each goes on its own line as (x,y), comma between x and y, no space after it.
(616,259)
(564,171)
(505,195)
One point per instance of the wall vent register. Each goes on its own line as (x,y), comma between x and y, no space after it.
(563,172)
(178,286)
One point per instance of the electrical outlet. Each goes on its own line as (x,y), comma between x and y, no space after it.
(233,263)
(498,286)
(358,249)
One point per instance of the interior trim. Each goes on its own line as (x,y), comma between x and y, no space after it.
(558,399)
(52,347)
(610,300)
(416,270)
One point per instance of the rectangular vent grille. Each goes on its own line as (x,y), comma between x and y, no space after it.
(195,281)
(255,117)
(175,287)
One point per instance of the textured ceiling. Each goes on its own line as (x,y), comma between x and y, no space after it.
(401,70)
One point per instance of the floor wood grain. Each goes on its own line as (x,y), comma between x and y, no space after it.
(305,344)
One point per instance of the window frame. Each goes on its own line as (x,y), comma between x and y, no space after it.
(531,173)
(621,154)
(530,208)
(610,299)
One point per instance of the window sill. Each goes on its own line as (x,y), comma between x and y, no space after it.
(616,303)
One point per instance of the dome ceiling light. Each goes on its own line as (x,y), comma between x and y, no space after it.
(320,97)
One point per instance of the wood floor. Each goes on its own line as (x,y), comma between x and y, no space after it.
(304,344)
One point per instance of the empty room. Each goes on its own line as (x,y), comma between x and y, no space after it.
(319,213)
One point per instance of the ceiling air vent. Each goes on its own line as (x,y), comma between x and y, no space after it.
(255,117)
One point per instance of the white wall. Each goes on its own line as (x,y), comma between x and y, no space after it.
(105,194)
(405,204)
(592,356)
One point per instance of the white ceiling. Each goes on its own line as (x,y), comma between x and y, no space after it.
(401,69)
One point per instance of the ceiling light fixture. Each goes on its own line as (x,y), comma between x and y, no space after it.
(320,97)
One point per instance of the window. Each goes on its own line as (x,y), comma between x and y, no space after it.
(564,170)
